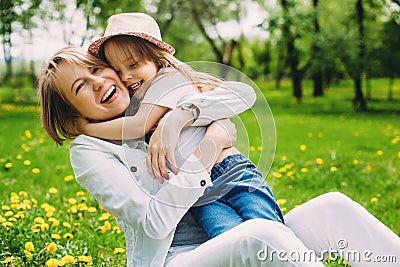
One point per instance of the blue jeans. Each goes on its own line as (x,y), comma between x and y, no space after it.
(239,193)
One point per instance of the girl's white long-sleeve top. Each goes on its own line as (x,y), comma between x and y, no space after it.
(147,211)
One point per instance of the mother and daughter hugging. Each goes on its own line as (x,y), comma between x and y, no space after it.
(185,196)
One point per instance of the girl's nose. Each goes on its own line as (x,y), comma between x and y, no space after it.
(125,76)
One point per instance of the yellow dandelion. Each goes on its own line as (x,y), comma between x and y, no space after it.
(303,148)
(333,169)
(5,207)
(277,175)
(53,263)
(283,209)
(118,250)
(53,190)
(72,201)
(259,148)
(29,246)
(68,178)
(355,162)
(8,165)
(8,213)
(281,201)
(85,258)
(68,259)
(27,162)
(68,236)
(7,260)
(28,134)
(92,209)
(35,170)
(378,195)
(117,229)
(44,227)
(252,148)
(304,170)
(2,219)
(284,158)
(107,225)
(28,254)
(55,236)
(368,168)
(18,157)
(80,193)
(374,200)
(39,220)
(66,224)
(20,215)
(7,224)
(379,153)
(73,209)
(319,161)
(104,216)
(52,247)
(22,194)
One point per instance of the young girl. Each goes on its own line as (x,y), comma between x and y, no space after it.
(132,46)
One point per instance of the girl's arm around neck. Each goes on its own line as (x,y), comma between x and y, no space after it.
(128,127)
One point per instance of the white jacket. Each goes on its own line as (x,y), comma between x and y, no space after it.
(147,211)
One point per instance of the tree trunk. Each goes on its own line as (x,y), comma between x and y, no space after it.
(316,55)
(7,55)
(292,53)
(359,100)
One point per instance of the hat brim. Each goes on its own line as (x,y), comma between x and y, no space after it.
(96,46)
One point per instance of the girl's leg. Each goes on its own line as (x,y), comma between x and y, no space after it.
(256,242)
(335,222)
(216,218)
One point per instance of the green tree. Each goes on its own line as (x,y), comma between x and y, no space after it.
(15,15)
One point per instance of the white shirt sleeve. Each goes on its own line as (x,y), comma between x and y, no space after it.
(225,101)
(120,189)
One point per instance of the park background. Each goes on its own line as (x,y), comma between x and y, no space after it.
(328,69)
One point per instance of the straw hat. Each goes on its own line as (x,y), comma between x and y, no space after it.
(135,24)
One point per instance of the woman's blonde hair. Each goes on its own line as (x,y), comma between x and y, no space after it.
(127,46)
(58,116)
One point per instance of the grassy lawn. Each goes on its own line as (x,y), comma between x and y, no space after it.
(321,146)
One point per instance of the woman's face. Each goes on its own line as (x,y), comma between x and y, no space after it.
(97,94)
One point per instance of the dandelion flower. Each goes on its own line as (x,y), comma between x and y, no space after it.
(29,246)
(85,258)
(68,178)
(8,165)
(53,190)
(333,169)
(52,247)
(303,148)
(55,236)
(68,259)
(304,170)
(374,200)
(66,224)
(27,162)
(281,201)
(118,250)
(319,161)
(53,263)
(379,153)
(7,260)
(68,236)
(35,170)
(19,156)
(28,254)
(92,209)
(252,148)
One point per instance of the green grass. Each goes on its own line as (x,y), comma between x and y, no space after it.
(321,146)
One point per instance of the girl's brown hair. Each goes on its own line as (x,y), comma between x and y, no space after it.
(58,116)
(127,46)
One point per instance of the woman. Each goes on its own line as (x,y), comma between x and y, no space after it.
(73,85)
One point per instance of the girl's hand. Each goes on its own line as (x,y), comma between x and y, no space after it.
(223,132)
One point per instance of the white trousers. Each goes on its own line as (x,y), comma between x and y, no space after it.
(328,223)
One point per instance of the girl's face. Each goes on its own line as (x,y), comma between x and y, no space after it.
(97,94)
(132,71)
